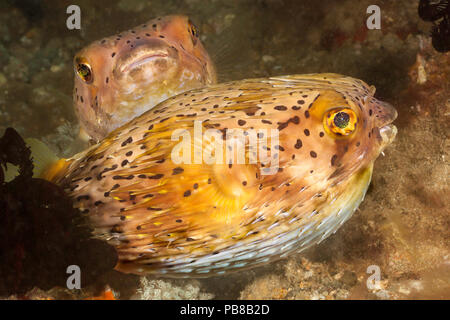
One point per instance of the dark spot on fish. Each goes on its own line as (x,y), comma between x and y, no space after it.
(333,159)
(156,176)
(177,170)
(83,197)
(130,177)
(129,140)
(282,125)
(313,154)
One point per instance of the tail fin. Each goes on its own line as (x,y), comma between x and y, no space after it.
(44,160)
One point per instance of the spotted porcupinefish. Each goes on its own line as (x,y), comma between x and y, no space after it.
(168,211)
(122,76)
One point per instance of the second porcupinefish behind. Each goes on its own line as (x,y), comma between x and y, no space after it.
(202,218)
(122,76)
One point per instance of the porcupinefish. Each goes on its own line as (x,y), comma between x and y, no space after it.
(119,77)
(174,217)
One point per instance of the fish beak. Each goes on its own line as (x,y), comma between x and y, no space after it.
(388,134)
(386,115)
(147,55)
(142,60)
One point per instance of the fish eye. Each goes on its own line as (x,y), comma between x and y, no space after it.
(340,121)
(193,31)
(84,70)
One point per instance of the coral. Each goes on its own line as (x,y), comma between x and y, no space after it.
(151,289)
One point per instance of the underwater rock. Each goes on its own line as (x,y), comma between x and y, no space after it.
(41,234)
(439,13)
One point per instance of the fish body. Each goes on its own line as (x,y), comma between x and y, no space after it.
(119,77)
(198,217)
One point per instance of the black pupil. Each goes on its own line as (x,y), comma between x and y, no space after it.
(193,29)
(84,70)
(341,120)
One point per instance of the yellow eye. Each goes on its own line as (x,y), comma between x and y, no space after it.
(340,121)
(193,31)
(84,70)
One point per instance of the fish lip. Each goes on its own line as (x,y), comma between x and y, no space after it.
(142,59)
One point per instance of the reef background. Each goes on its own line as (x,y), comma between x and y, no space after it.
(402,226)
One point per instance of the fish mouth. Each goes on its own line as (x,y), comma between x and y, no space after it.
(143,59)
